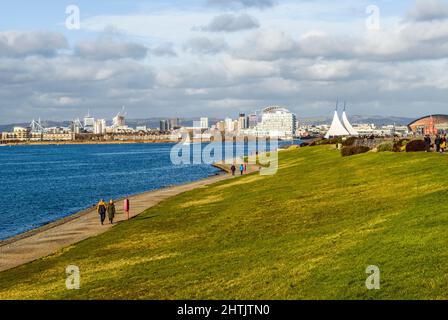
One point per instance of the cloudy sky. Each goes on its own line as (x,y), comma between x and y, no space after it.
(221,57)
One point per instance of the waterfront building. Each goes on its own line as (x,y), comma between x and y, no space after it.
(164,125)
(242,122)
(204,124)
(252,120)
(18,134)
(277,121)
(141,128)
(89,123)
(174,124)
(100,126)
(229,125)
(221,126)
(431,124)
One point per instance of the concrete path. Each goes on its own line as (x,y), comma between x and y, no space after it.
(49,239)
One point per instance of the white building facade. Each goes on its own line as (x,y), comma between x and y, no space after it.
(277,122)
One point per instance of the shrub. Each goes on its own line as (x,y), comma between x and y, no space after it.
(400,145)
(386,147)
(349,142)
(353,150)
(304,144)
(326,142)
(416,146)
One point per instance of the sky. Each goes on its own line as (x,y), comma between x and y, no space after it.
(219,58)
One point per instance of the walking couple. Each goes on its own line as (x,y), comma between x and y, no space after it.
(109,209)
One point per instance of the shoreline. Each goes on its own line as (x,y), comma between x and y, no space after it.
(82,213)
(52,237)
(77,143)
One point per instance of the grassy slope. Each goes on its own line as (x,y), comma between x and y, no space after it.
(308,232)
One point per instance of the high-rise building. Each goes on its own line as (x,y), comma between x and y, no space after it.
(229,125)
(164,125)
(277,122)
(174,123)
(252,120)
(242,122)
(89,123)
(204,123)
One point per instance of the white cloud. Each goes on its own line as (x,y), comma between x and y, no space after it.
(231,23)
(18,43)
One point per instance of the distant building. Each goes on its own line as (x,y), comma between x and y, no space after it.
(100,126)
(430,124)
(229,125)
(18,134)
(141,128)
(221,126)
(204,123)
(252,121)
(174,124)
(277,122)
(89,123)
(242,122)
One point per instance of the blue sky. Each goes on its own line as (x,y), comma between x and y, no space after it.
(219,58)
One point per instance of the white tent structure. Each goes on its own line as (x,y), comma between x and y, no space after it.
(347,125)
(337,129)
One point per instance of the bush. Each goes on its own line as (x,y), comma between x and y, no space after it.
(326,142)
(416,146)
(386,147)
(351,151)
(400,146)
(349,142)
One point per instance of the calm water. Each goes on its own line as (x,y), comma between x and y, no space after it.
(40,184)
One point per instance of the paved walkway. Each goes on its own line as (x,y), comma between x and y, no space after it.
(60,234)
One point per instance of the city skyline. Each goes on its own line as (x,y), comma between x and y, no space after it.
(220,58)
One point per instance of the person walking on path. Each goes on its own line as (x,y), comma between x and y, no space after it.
(245,168)
(127,207)
(111,211)
(242,169)
(438,142)
(233,169)
(101,209)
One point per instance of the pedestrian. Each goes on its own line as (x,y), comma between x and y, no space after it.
(111,211)
(443,144)
(245,168)
(127,207)
(233,169)
(438,142)
(101,209)
(242,169)
(427,143)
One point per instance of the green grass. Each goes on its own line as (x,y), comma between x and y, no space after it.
(309,232)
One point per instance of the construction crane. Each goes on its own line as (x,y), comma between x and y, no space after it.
(36,126)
